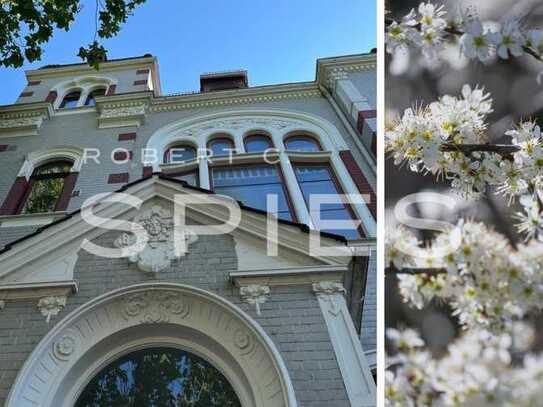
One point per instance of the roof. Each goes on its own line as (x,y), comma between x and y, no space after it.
(50,66)
(301,226)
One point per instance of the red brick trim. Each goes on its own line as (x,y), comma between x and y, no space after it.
(3,147)
(360,180)
(26,94)
(142,71)
(51,97)
(127,136)
(147,171)
(140,82)
(119,178)
(33,83)
(14,197)
(122,155)
(111,90)
(69,184)
(363,115)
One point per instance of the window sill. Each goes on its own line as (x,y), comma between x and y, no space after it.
(173,168)
(245,158)
(75,110)
(30,219)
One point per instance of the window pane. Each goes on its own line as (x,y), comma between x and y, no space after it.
(190,178)
(90,99)
(257,144)
(159,377)
(221,147)
(181,153)
(251,185)
(70,100)
(44,195)
(53,168)
(341,214)
(318,180)
(302,144)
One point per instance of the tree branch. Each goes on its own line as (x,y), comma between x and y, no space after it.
(415,271)
(502,149)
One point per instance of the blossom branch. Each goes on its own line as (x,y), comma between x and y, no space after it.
(501,149)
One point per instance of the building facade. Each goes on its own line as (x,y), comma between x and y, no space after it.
(230,320)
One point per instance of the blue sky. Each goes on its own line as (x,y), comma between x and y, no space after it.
(276,41)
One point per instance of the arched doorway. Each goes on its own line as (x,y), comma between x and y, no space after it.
(147,316)
(161,377)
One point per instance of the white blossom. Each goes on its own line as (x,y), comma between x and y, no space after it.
(509,40)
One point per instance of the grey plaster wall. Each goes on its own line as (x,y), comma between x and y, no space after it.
(291,317)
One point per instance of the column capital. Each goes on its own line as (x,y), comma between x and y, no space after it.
(326,288)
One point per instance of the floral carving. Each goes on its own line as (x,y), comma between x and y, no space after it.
(255,294)
(159,251)
(236,124)
(51,306)
(122,112)
(65,346)
(154,307)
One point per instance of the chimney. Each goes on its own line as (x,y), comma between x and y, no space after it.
(210,82)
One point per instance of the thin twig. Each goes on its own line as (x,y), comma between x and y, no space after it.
(456,32)
(502,149)
(414,271)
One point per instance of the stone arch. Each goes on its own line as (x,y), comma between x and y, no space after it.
(146,315)
(240,122)
(83,84)
(38,157)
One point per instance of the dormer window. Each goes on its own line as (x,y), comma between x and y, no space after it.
(90,99)
(70,100)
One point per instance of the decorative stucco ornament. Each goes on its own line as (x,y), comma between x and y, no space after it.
(255,294)
(159,251)
(51,306)
(327,291)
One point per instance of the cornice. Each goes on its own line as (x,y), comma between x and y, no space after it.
(80,69)
(236,97)
(288,276)
(23,119)
(329,69)
(23,110)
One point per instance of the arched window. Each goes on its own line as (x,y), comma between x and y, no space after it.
(257,143)
(159,377)
(179,153)
(96,92)
(302,143)
(221,146)
(70,100)
(48,190)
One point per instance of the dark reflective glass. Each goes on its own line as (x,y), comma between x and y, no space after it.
(45,187)
(159,377)
(257,143)
(70,100)
(301,143)
(221,146)
(251,185)
(90,99)
(318,180)
(180,154)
